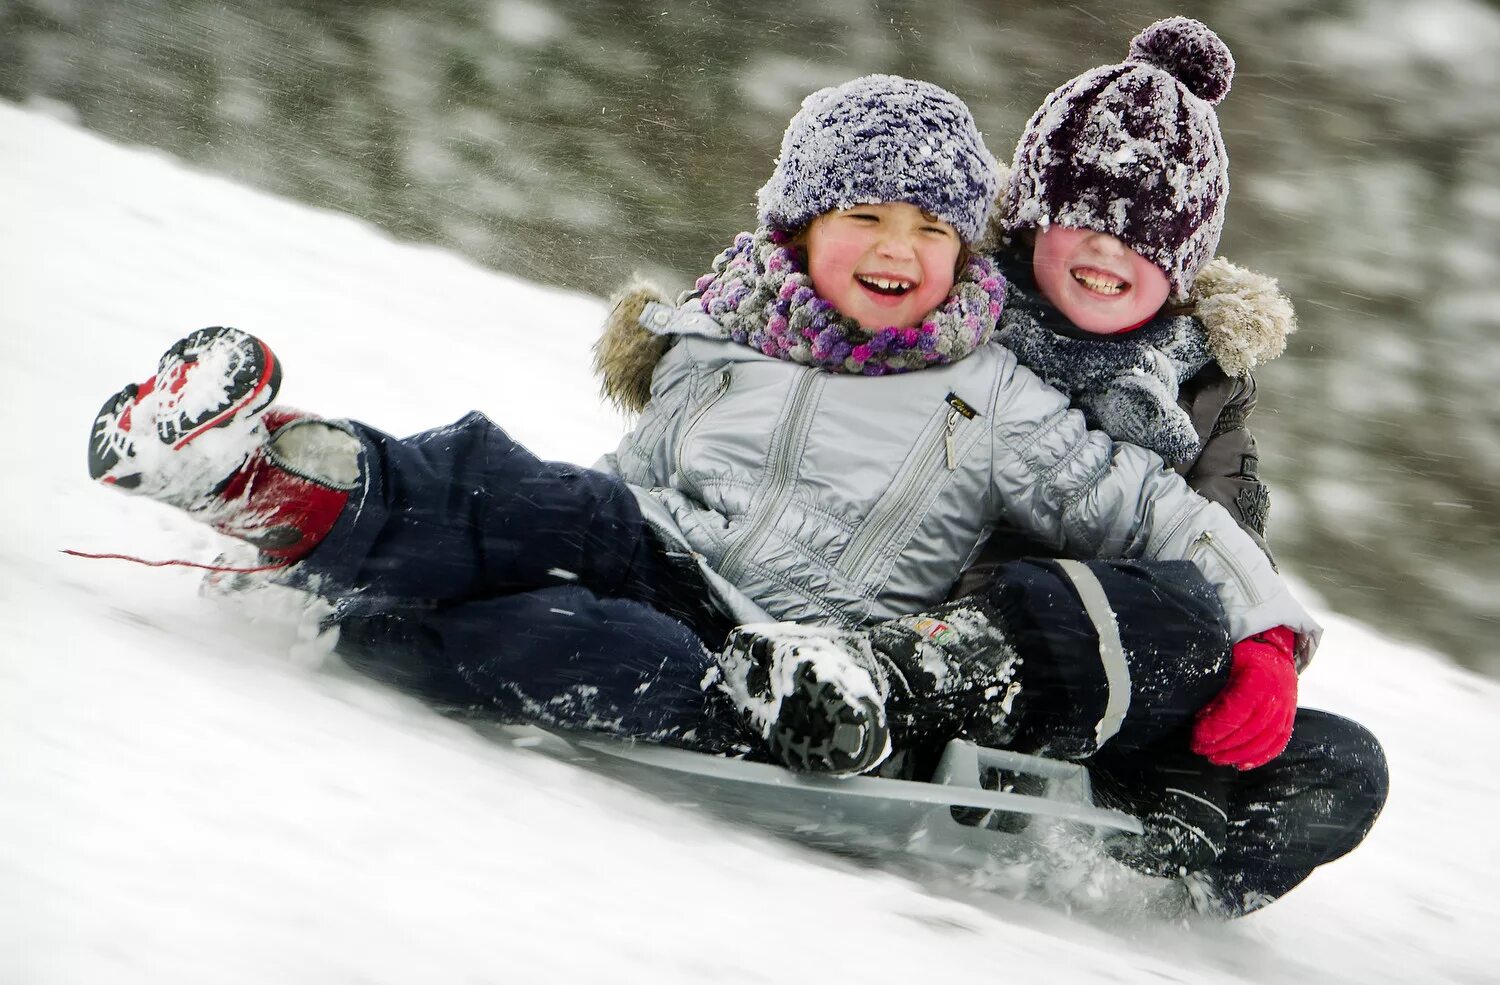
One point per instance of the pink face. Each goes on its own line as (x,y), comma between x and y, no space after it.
(885,266)
(1097,282)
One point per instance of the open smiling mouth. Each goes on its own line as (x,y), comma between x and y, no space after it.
(1100,282)
(887,286)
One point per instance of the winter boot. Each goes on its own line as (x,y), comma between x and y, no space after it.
(198,436)
(953,672)
(813,695)
(179,434)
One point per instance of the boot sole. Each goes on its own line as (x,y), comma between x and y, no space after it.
(252,386)
(820,730)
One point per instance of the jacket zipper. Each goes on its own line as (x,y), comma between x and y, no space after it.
(780,485)
(950,445)
(1207,541)
(869,540)
(703,408)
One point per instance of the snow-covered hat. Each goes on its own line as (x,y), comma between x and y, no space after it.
(882,138)
(1134,150)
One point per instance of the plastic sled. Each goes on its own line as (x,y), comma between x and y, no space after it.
(952,818)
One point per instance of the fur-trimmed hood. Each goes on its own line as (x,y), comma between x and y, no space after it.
(626,353)
(1244,314)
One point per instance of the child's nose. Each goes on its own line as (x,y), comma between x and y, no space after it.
(896,244)
(1108,244)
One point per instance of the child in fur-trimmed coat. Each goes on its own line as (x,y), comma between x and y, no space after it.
(1104,232)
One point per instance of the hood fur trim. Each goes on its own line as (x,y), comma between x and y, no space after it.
(626,354)
(1245,315)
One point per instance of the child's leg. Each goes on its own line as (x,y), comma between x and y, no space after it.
(1245,838)
(464,512)
(559,657)
(1058,657)
(456,513)
(1117,653)
(1312,804)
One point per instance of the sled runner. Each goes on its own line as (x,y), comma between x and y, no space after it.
(952,818)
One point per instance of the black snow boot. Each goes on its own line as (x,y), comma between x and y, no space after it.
(814,696)
(953,672)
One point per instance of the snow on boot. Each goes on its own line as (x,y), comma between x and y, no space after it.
(953,672)
(180,434)
(814,695)
(198,436)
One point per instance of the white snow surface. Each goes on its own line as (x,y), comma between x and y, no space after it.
(192,792)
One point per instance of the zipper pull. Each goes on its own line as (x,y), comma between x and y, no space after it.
(949,445)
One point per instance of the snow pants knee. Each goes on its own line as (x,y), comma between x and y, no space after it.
(1113,653)
(1312,804)
(464,512)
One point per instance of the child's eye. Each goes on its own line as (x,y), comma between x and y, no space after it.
(864,216)
(939,230)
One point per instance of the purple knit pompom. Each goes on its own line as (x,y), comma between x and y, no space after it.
(1188,51)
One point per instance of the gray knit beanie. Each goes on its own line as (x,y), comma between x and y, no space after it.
(1134,150)
(882,138)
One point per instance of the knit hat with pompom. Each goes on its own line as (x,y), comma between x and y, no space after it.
(1134,150)
(882,138)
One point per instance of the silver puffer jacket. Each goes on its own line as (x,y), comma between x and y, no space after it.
(825,498)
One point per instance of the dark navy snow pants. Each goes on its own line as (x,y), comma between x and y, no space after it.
(475,575)
(1117,653)
(1311,805)
(1126,711)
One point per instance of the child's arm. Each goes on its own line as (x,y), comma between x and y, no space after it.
(1250,721)
(1227,468)
(1080,491)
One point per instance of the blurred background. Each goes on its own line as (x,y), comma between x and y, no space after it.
(576,142)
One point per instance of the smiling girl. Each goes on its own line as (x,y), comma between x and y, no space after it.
(1107,230)
(887,263)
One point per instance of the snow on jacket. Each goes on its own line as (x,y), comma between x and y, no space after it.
(838,499)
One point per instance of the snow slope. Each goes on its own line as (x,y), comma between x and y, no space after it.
(191,792)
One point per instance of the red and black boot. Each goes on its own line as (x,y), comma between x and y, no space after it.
(199,435)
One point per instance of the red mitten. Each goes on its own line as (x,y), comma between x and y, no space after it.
(1250,722)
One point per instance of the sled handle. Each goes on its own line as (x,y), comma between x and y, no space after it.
(962,761)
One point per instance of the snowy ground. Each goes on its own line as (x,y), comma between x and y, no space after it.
(191,793)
